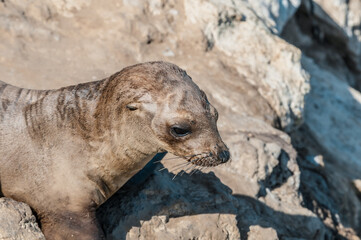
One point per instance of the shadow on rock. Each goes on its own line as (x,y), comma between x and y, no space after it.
(329,158)
(198,194)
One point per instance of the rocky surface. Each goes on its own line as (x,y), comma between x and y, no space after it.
(256,190)
(266,65)
(17,221)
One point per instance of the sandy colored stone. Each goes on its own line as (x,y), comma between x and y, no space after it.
(17,221)
(203,227)
(257,81)
(259,233)
(357,184)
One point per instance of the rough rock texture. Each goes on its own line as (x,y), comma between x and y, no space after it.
(292,65)
(332,109)
(275,14)
(267,62)
(17,221)
(257,232)
(257,187)
(327,33)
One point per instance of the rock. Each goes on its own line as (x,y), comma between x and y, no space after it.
(275,14)
(274,159)
(259,233)
(332,114)
(332,108)
(202,226)
(357,184)
(271,65)
(277,80)
(17,221)
(297,182)
(346,14)
(327,190)
(259,185)
(324,33)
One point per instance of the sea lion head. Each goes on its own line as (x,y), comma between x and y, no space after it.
(175,113)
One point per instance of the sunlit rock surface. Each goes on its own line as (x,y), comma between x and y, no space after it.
(284,76)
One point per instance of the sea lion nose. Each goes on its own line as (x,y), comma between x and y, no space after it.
(224,156)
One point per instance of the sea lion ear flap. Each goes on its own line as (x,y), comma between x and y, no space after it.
(205,101)
(204,96)
(133,106)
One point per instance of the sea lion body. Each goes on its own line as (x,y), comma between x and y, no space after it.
(66,151)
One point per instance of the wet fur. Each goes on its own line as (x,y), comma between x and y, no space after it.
(66,151)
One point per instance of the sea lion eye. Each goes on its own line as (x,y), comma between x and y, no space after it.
(180,130)
(132,106)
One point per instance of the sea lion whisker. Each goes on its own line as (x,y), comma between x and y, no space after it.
(206,155)
(190,167)
(176,167)
(195,155)
(171,158)
(200,159)
(186,170)
(194,160)
(181,157)
(175,176)
(194,170)
(197,159)
(179,166)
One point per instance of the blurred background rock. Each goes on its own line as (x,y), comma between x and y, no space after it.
(285,77)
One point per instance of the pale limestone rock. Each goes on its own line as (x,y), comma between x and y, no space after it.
(202,226)
(17,221)
(67,8)
(255,79)
(260,233)
(346,13)
(357,184)
(271,65)
(275,14)
(319,31)
(263,165)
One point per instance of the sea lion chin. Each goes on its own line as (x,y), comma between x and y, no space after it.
(66,151)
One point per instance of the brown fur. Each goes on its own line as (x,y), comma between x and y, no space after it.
(65,151)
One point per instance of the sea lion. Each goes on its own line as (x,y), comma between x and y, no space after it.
(66,151)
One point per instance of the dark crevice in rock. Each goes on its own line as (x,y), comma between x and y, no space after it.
(36,217)
(209,43)
(326,189)
(1,193)
(149,39)
(227,19)
(277,123)
(279,175)
(355,28)
(323,40)
(323,189)
(123,209)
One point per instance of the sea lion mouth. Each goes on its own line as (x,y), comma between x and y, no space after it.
(208,159)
